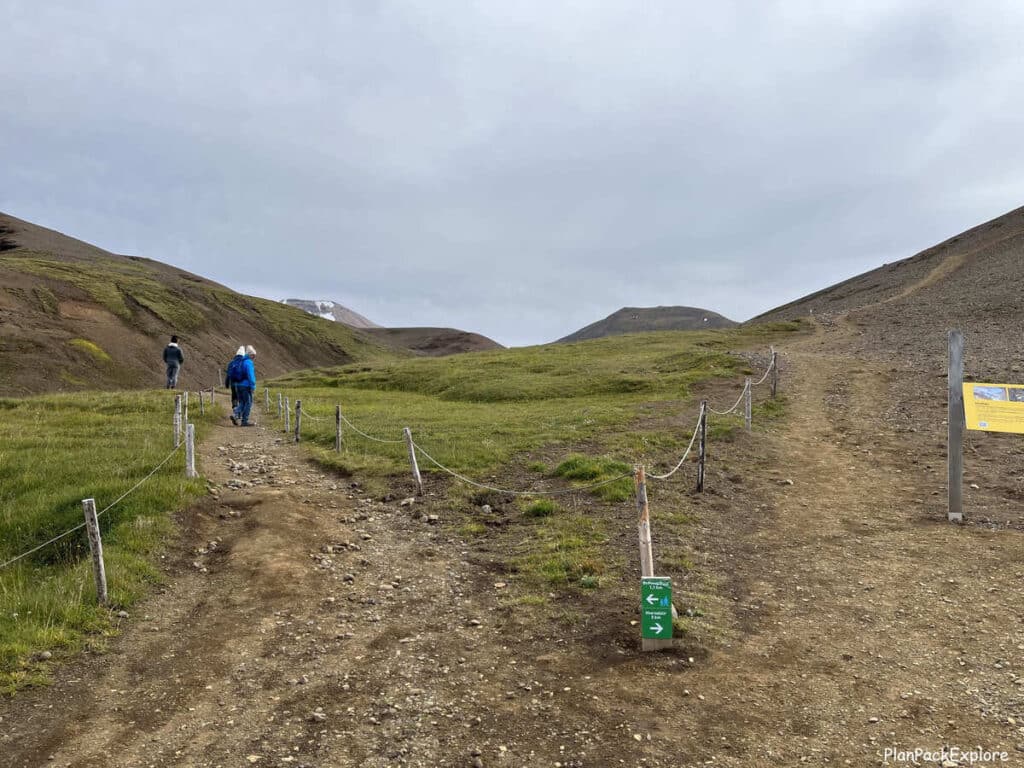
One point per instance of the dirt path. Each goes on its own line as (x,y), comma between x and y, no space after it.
(310,625)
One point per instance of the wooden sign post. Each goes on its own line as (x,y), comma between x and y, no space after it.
(955,420)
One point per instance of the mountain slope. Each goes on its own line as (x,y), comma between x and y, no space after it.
(970,281)
(74,316)
(638,320)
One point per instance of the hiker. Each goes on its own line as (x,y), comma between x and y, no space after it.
(234,372)
(173,357)
(246,387)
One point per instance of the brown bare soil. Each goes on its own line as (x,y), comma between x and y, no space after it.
(843,615)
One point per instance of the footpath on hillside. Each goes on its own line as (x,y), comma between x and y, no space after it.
(306,624)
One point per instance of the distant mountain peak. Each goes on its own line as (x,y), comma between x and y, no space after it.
(332,310)
(642,319)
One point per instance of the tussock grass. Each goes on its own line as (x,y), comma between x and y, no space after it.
(54,452)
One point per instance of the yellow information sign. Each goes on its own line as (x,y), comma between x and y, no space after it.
(994,407)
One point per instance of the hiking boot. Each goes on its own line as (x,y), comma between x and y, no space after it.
(234,419)
(247,424)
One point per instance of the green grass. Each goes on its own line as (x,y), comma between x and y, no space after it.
(540,508)
(58,450)
(595,470)
(567,551)
(93,349)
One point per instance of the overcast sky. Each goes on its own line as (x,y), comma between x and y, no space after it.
(519,169)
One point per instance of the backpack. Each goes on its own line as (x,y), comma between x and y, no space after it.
(236,371)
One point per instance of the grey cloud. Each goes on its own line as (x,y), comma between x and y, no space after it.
(516,169)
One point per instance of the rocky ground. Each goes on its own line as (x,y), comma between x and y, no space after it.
(308,623)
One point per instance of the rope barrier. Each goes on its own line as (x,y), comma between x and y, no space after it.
(726,413)
(310,416)
(771,366)
(368,437)
(689,448)
(106,509)
(562,492)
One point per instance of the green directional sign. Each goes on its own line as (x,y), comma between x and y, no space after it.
(656,608)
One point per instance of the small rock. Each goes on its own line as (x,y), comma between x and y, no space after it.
(975,487)
(486,509)
(317,717)
(433,519)
(45,656)
(122,614)
(787,481)
(477,763)
(474,622)
(407,502)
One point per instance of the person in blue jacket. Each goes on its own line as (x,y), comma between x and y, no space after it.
(235,372)
(246,388)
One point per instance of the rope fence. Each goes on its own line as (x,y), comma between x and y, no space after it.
(698,438)
(183,439)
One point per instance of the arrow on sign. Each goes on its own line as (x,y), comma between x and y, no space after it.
(651,599)
(657,628)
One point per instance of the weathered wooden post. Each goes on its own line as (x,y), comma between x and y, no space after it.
(412,460)
(287,416)
(92,525)
(177,420)
(775,373)
(337,428)
(184,407)
(748,405)
(280,404)
(644,523)
(190,451)
(202,404)
(955,420)
(655,616)
(298,419)
(266,396)
(702,446)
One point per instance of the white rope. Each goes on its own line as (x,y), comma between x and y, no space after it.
(368,437)
(82,525)
(726,413)
(309,415)
(677,466)
(465,479)
(771,366)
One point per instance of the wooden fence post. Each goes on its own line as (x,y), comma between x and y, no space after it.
(202,404)
(177,420)
(412,460)
(955,420)
(702,446)
(184,407)
(92,525)
(280,404)
(775,373)
(287,416)
(266,396)
(644,523)
(337,428)
(190,451)
(748,407)
(298,419)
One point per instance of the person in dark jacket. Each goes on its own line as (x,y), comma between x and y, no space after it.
(233,372)
(246,388)
(173,359)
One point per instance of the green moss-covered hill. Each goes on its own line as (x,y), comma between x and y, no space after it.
(73,316)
